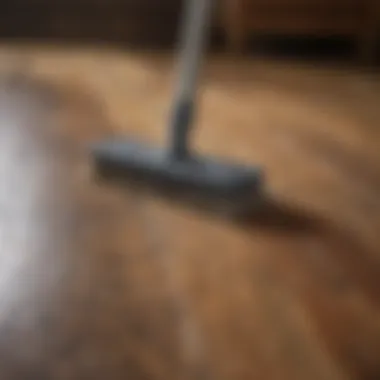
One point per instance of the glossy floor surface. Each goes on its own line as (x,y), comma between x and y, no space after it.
(101,282)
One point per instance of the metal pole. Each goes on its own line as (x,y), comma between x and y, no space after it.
(192,45)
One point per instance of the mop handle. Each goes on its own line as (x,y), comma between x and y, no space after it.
(192,44)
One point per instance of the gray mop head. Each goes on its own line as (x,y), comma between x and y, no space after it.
(120,159)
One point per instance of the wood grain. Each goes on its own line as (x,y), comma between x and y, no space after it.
(98,281)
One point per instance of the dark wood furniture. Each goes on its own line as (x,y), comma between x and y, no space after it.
(357,19)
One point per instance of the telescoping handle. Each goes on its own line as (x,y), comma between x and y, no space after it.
(192,45)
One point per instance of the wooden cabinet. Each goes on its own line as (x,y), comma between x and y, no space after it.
(133,22)
(357,19)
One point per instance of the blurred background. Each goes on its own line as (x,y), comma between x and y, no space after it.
(347,27)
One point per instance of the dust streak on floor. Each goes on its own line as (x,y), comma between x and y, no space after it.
(100,282)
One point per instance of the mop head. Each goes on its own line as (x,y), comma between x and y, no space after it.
(119,160)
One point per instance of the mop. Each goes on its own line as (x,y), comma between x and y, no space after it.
(177,165)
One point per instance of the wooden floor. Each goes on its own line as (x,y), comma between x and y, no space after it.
(97,282)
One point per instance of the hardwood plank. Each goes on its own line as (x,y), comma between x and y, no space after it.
(101,281)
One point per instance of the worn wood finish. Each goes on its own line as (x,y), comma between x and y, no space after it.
(99,282)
